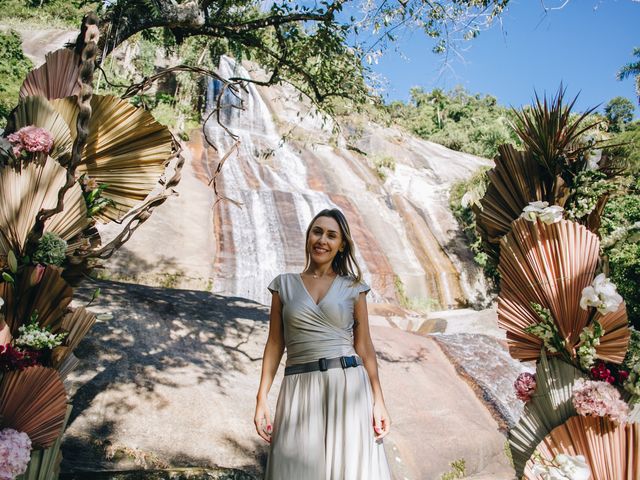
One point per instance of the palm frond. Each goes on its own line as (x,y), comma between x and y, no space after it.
(126,149)
(513,183)
(26,192)
(76,323)
(49,298)
(56,78)
(34,401)
(549,132)
(40,112)
(550,265)
(549,407)
(610,449)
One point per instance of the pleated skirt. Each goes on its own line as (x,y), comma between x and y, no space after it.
(323,429)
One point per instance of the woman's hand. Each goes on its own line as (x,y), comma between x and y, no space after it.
(381,420)
(262,420)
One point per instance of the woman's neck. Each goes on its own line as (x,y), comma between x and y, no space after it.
(319,270)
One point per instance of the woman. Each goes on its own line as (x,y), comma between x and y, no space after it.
(330,417)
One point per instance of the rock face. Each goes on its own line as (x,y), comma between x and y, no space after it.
(405,233)
(168,379)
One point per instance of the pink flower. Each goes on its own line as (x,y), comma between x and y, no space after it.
(599,399)
(525,385)
(37,274)
(32,139)
(15,453)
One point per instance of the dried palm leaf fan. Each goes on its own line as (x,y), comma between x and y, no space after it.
(550,265)
(610,449)
(77,323)
(126,149)
(45,463)
(34,401)
(513,183)
(549,407)
(49,297)
(39,112)
(56,78)
(26,192)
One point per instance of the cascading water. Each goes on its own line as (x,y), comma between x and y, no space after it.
(281,185)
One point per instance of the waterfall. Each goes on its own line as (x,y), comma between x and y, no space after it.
(281,185)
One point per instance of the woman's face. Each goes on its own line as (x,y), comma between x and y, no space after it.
(325,240)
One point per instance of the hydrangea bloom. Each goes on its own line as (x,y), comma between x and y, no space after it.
(601,294)
(15,453)
(32,336)
(564,467)
(525,385)
(599,399)
(32,139)
(542,210)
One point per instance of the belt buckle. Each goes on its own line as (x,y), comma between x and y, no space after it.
(347,362)
(322,364)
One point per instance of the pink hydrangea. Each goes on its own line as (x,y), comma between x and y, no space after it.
(599,399)
(525,385)
(15,453)
(32,139)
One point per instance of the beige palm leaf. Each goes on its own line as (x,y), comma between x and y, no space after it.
(550,265)
(76,323)
(513,183)
(126,149)
(549,407)
(610,449)
(34,401)
(40,112)
(25,192)
(49,297)
(56,78)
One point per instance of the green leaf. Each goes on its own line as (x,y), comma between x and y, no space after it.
(12,261)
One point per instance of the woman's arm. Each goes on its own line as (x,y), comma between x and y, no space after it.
(273,351)
(364,348)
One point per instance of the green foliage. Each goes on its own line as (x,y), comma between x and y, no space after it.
(459,470)
(51,250)
(468,123)
(619,112)
(14,66)
(632,69)
(48,13)
(383,164)
(472,190)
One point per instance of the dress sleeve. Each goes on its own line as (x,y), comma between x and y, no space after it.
(275,284)
(362,287)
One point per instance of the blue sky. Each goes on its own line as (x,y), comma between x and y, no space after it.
(584,45)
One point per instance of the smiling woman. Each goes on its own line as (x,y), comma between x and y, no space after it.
(331,416)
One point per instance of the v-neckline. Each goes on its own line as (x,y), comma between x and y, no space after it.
(299,275)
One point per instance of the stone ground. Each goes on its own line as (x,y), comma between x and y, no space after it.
(168,379)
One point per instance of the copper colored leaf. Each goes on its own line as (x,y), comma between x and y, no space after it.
(56,78)
(34,401)
(610,449)
(550,265)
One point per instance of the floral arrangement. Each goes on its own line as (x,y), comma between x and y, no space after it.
(33,337)
(92,191)
(31,139)
(589,340)
(546,330)
(15,453)
(599,399)
(525,386)
(601,294)
(563,467)
(52,250)
(12,358)
(544,212)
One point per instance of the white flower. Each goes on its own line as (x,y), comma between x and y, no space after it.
(601,294)
(542,210)
(552,214)
(466,199)
(593,159)
(1,302)
(564,467)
